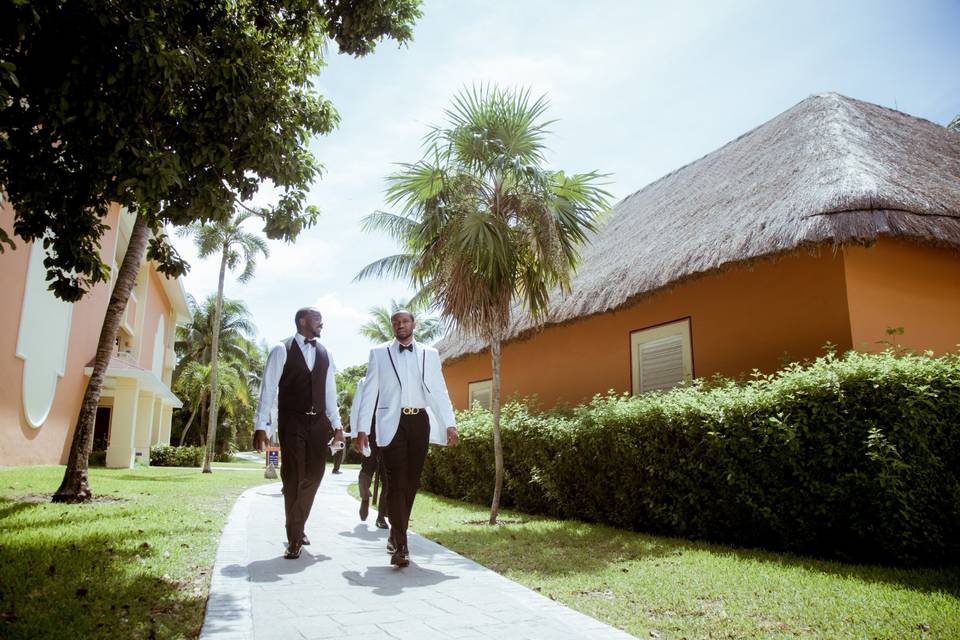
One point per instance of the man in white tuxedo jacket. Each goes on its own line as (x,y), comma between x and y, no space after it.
(403,380)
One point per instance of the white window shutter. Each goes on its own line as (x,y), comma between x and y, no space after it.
(661,364)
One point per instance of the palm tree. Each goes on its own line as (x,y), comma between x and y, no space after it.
(954,124)
(235,247)
(484,226)
(244,358)
(379,329)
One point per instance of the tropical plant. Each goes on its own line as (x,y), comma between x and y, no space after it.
(954,124)
(236,247)
(379,329)
(484,225)
(174,109)
(238,352)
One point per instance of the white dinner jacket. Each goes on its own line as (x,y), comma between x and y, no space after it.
(383,381)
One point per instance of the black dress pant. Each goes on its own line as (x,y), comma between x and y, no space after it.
(303,454)
(403,459)
(368,467)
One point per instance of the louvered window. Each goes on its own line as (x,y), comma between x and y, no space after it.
(480,392)
(661,356)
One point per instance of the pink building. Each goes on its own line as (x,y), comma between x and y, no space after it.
(47,348)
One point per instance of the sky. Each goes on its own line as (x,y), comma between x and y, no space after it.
(637,88)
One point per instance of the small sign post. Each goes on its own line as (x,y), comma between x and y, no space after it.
(273,461)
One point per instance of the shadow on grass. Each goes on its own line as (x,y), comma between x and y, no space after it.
(562,547)
(89,587)
(181,477)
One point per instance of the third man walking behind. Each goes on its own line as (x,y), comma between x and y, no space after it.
(403,379)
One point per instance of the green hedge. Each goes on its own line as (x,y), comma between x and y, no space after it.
(167,456)
(856,457)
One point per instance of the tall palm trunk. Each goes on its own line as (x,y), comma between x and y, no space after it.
(76,482)
(497,439)
(214,362)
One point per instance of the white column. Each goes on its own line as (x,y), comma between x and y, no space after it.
(143,426)
(166,420)
(155,437)
(123,417)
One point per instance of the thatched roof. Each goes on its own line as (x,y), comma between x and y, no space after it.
(830,170)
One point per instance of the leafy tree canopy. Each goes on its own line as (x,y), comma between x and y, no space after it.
(175,109)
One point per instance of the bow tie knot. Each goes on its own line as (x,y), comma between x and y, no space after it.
(311,341)
(408,347)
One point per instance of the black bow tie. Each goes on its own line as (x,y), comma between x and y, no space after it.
(311,341)
(409,348)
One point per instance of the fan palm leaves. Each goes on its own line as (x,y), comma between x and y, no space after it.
(379,329)
(483,225)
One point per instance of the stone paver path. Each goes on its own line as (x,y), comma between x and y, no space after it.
(344,587)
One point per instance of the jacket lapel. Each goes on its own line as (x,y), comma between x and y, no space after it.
(421,355)
(393,353)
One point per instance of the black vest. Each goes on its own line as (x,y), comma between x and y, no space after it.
(302,390)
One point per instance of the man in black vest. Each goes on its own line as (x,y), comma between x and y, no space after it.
(300,376)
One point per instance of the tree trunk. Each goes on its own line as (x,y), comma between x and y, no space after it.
(497,440)
(203,416)
(76,482)
(183,434)
(214,365)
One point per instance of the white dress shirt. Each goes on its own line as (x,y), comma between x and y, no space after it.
(408,367)
(271,380)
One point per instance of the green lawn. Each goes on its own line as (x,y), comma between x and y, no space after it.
(671,588)
(133,564)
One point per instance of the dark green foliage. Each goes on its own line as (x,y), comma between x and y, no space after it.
(167,456)
(856,457)
(175,109)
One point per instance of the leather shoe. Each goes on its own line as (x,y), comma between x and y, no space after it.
(400,557)
(337,471)
(381,523)
(293,551)
(304,540)
(364,509)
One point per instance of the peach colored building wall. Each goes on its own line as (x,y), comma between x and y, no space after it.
(19,442)
(157,307)
(896,283)
(741,319)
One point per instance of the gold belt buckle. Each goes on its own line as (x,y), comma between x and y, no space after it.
(312,412)
(410,411)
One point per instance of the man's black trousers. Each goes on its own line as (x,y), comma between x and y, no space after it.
(368,467)
(403,459)
(303,453)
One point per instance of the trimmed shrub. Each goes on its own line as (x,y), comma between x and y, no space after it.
(167,456)
(856,457)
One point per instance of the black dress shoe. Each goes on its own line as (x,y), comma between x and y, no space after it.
(364,509)
(381,523)
(400,557)
(293,551)
(304,540)
(337,471)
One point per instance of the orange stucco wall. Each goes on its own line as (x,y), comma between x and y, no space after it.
(740,319)
(896,283)
(49,444)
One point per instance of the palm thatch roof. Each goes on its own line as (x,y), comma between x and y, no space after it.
(829,171)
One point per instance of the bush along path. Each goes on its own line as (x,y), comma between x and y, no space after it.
(854,457)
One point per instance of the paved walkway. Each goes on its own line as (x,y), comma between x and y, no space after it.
(343,586)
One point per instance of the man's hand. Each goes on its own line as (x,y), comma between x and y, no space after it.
(338,436)
(452,437)
(360,441)
(259,440)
